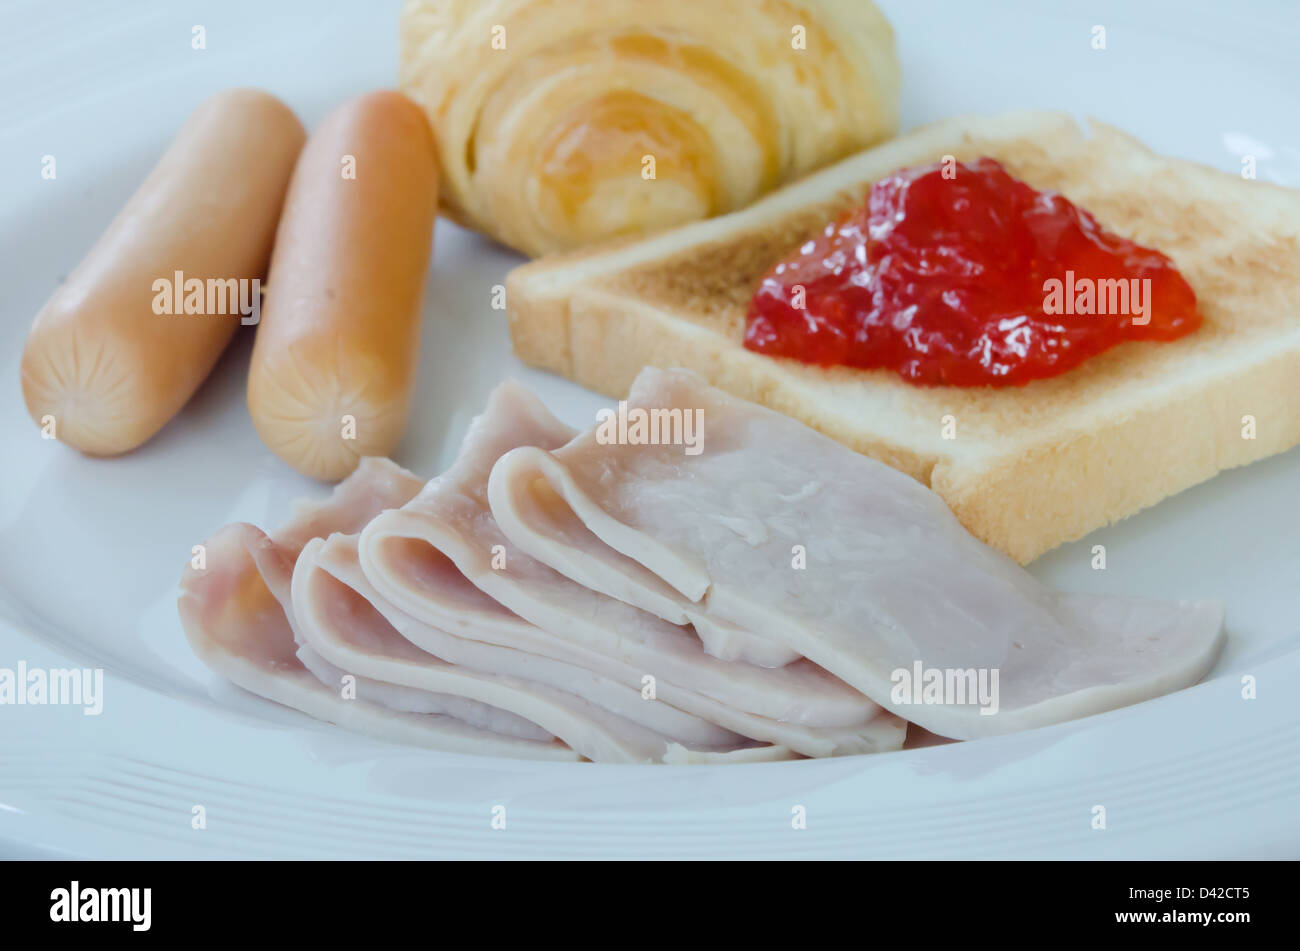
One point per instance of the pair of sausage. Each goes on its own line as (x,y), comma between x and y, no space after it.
(119,349)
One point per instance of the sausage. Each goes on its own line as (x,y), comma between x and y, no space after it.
(334,361)
(106,365)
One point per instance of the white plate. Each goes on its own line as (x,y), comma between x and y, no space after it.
(90,551)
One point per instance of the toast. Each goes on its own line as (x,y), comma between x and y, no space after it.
(1024,468)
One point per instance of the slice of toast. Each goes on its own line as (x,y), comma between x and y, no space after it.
(1024,468)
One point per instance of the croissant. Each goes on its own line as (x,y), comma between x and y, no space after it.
(565,124)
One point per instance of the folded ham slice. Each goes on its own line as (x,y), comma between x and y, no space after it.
(275,635)
(238,627)
(336,614)
(395,696)
(894,588)
(339,556)
(538,520)
(416,557)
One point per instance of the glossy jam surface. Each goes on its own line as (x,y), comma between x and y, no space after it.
(964,276)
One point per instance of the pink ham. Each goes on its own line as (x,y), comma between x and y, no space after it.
(893,583)
(242,620)
(416,558)
(335,611)
(238,628)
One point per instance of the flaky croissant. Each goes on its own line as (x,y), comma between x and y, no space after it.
(564,124)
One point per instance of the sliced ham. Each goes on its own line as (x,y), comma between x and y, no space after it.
(556,596)
(238,628)
(893,584)
(335,615)
(338,555)
(396,688)
(395,696)
(534,517)
(267,563)
(415,557)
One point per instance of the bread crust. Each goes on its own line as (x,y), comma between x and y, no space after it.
(1029,468)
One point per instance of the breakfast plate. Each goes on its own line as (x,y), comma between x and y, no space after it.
(176,763)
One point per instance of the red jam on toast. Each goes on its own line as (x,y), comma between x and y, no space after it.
(958,274)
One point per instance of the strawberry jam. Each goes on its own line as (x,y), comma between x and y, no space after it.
(962,275)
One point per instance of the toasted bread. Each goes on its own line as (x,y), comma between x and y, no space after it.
(1024,468)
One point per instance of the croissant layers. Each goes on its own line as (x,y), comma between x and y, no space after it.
(560,125)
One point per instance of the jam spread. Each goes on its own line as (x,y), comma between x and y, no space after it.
(961,275)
